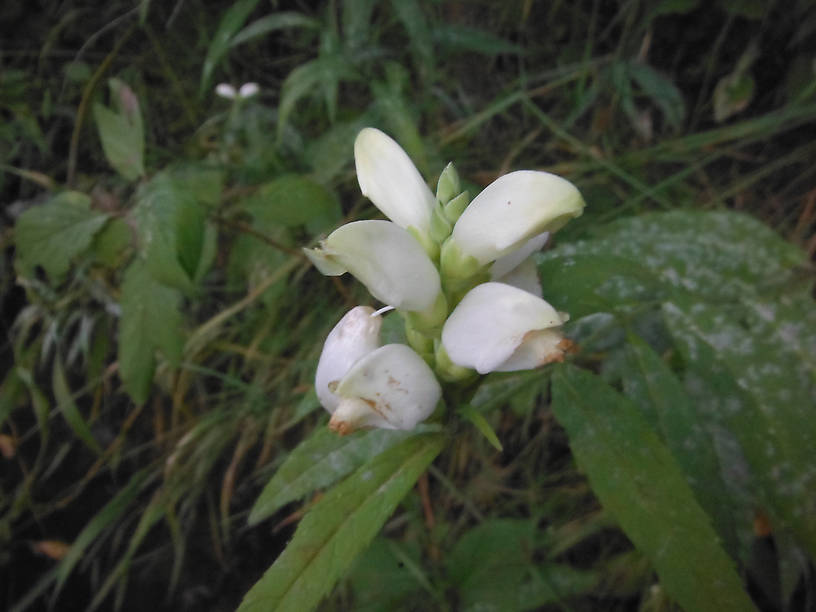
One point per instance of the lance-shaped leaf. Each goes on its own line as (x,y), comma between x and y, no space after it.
(340,526)
(638,482)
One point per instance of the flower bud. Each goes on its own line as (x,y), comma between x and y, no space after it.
(500,328)
(385,258)
(390,388)
(510,211)
(388,177)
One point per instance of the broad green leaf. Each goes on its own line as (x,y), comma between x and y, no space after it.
(318,462)
(637,480)
(772,391)
(272,23)
(121,131)
(293,200)
(340,526)
(171,226)
(661,90)
(664,403)
(69,409)
(582,284)
(230,23)
(333,150)
(150,321)
(715,255)
(53,234)
(204,182)
(112,243)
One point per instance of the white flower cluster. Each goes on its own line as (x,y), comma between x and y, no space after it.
(459,272)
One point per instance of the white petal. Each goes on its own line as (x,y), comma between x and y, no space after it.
(248,90)
(491,322)
(388,177)
(539,347)
(386,259)
(356,335)
(395,383)
(513,209)
(225,90)
(524,276)
(506,264)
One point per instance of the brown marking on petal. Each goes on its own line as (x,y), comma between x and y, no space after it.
(342,428)
(555,357)
(568,346)
(375,408)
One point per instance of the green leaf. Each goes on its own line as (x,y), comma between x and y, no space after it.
(121,131)
(69,409)
(715,255)
(459,38)
(413,20)
(469,413)
(742,351)
(232,20)
(584,284)
(171,226)
(293,200)
(664,403)
(340,526)
(272,23)
(638,482)
(53,234)
(112,243)
(150,321)
(662,91)
(318,462)
(382,578)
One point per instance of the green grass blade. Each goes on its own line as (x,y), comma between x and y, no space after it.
(232,20)
(70,410)
(637,480)
(340,526)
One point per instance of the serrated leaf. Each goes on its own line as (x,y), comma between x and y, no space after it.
(340,526)
(171,226)
(663,402)
(230,23)
(771,393)
(53,234)
(121,131)
(638,482)
(150,321)
(318,462)
(70,411)
(293,200)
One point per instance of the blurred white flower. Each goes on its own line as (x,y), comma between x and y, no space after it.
(361,385)
(501,328)
(225,90)
(385,258)
(248,90)
(388,177)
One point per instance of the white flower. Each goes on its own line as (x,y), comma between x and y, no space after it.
(518,268)
(354,336)
(248,90)
(225,90)
(388,177)
(361,385)
(509,212)
(385,258)
(500,328)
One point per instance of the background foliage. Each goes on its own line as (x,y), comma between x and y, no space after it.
(162,328)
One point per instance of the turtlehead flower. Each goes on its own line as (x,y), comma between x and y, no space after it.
(501,328)
(363,385)
(517,268)
(507,214)
(385,258)
(388,178)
